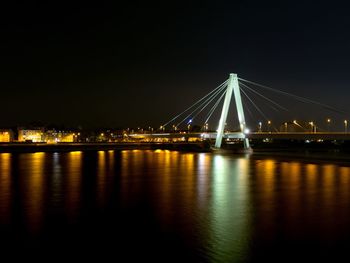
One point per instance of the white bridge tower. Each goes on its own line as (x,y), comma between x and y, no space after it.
(232,86)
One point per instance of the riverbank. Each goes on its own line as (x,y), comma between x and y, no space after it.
(339,155)
(296,151)
(68,147)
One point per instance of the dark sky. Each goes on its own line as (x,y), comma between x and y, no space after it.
(139,63)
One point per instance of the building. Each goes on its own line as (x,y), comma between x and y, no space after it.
(30,135)
(53,136)
(6,135)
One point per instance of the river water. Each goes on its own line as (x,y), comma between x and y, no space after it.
(168,206)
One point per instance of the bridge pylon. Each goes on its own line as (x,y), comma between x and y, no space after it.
(232,86)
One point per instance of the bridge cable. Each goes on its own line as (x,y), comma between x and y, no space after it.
(202,105)
(259,94)
(259,110)
(305,100)
(252,102)
(214,107)
(218,87)
(251,114)
(269,105)
(207,104)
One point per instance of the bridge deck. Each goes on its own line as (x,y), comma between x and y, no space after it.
(253,135)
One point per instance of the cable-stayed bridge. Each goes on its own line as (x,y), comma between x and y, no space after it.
(248,97)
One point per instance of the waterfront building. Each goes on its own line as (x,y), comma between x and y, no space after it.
(30,135)
(6,135)
(53,136)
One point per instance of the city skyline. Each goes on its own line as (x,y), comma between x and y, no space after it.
(139,64)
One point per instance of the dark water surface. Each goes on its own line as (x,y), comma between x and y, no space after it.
(172,207)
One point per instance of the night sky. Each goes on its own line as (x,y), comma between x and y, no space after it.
(138,64)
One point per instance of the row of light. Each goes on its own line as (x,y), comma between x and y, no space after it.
(296,123)
(269,122)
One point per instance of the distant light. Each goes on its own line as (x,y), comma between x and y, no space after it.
(246,131)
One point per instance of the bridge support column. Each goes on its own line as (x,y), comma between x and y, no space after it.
(232,86)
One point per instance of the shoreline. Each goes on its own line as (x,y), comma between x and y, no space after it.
(68,147)
(293,153)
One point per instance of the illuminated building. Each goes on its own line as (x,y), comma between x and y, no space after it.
(30,135)
(53,136)
(6,135)
(49,136)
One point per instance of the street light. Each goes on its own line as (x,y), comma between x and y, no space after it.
(286,127)
(345,126)
(260,126)
(312,126)
(329,124)
(268,125)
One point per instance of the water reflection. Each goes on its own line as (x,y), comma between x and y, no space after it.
(309,203)
(33,188)
(101,177)
(229,225)
(203,179)
(5,188)
(56,182)
(219,207)
(105,169)
(74,184)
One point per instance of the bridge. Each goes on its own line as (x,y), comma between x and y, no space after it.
(236,87)
(251,135)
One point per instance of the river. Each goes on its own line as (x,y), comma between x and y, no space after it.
(169,206)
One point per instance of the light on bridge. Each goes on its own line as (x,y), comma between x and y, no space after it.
(268,126)
(345,126)
(313,126)
(329,124)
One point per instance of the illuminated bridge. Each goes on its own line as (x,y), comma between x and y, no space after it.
(252,135)
(179,127)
